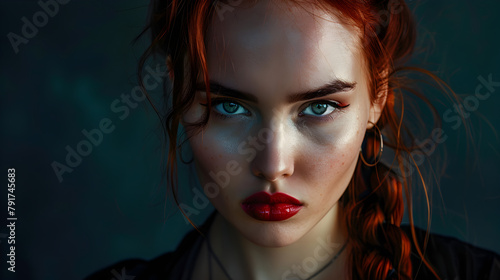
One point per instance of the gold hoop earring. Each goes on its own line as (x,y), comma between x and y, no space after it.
(379,155)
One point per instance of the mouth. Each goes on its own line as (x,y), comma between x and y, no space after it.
(271,207)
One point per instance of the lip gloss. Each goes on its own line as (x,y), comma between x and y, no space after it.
(271,207)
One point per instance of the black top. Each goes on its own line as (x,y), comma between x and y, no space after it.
(452,259)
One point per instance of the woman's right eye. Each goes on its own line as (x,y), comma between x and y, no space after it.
(227,108)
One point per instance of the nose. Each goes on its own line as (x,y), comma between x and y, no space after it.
(275,160)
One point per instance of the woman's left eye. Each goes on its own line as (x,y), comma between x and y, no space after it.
(322,108)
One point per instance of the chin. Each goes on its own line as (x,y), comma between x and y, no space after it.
(271,234)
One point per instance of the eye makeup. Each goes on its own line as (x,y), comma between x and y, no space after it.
(337,106)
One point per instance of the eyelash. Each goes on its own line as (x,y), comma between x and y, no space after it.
(216,101)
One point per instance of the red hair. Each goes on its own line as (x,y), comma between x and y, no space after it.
(373,202)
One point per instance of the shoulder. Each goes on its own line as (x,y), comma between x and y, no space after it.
(452,258)
(170,265)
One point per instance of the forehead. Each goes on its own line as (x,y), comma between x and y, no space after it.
(276,46)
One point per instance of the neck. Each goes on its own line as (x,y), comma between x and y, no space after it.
(243,259)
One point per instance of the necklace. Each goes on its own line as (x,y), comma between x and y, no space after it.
(211,253)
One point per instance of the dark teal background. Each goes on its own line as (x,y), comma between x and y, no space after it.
(111,206)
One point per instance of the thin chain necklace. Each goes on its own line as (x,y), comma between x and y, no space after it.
(211,253)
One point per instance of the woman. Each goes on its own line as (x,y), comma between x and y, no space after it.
(288,107)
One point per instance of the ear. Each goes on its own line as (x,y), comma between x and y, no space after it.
(379,103)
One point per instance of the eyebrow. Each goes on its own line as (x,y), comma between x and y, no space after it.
(330,88)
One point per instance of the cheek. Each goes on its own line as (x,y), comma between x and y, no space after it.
(217,162)
(209,154)
(338,144)
(332,158)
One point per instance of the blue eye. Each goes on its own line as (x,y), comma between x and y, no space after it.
(321,108)
(225,108)
(228,107)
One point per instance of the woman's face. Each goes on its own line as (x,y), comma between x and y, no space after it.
(268,137)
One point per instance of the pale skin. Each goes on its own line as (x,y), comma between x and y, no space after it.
(272,51)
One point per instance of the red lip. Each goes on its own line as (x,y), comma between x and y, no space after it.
(266,207)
